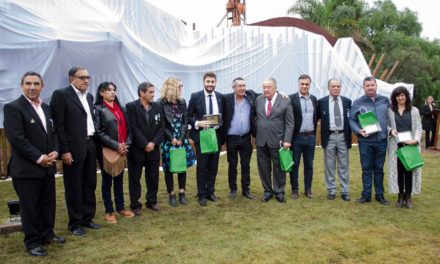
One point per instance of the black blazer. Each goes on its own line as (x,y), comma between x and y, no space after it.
(297,113)
(167,113)
(70,119)
(323,114)
(28,138)
(428,123)
(144,131)
(229,111)
(197,109)
(106,127)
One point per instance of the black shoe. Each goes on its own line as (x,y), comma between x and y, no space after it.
(294,195)
(212,197)
(308,194)
(153,207)
(248,195)
(345,197)
(56,239)
(78,231)
(232,194)
(331,196)
(172,200)
(92,225)
(136,211)
(382,201)
(280,198)
(266,198)
(182,199)
(363,200)
(37,252)
(203,202)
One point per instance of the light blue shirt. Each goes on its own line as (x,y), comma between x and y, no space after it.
(307,111)
(241,120)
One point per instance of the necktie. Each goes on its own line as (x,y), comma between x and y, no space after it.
(337,112)
(269,107)
(211,111)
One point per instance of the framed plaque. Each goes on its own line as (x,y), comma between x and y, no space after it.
(215,120)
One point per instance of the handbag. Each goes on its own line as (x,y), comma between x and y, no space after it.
(208,141)
(410,157)
(113,162)
(286,160)
(369,122)
(177,160)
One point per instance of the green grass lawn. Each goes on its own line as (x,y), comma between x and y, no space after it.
(243,231)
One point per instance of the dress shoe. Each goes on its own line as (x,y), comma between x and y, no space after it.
(408,201)
(136,211)
(126,213)
(78,231)
(56,239)
(153,207)
(363,200)
(203,202)
(280,198)
(331,196)
(37,252)
(308,194)
(382,201)
(266,198)
(248,195)
(182,199)
(111,218)
(232,194)
(212,197)
(345,197)
(92,225)
(294,195)
(172,201)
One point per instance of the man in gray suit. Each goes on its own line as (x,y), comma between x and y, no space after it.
(274,130)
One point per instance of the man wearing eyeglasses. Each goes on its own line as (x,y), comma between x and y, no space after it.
(73,116)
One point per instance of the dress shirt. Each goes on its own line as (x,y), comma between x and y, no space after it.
(272,101)
(214,102)
(83,98)
(307,111)
(241,122)
(331,109)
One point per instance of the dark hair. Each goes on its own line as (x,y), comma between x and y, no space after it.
(75,69)
(209,74)
(31,73)
(101,88)
(143,87)
(236,79)
(396,92)
(367,79)
(304,76)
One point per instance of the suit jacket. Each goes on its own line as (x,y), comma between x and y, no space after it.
(196,111)
(297,113)
(144,131)
(106,127)
(70,119)
(167,113)
(25,131)
(278,126)
(324,115)
(230,108)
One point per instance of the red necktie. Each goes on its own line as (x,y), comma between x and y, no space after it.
(269,107)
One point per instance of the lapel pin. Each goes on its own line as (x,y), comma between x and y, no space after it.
(32,121)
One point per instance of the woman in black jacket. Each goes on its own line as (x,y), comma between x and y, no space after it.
(112,132)
(428,121)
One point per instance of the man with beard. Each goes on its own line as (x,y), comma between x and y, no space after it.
(206,102)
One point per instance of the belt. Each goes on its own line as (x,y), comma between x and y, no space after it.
(239,136)
(336,131)
(308,133)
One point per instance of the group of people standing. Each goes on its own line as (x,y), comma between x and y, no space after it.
(76,129)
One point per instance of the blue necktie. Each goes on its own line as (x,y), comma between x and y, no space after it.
(211,111)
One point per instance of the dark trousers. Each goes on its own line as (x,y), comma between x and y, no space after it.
(239,145)
(37,208)
(151,180)
(269,164)
(372,155)
(429,138)
(404,179)
(207,167)
(80,186)
(305,146)
(169,181)
(106,189)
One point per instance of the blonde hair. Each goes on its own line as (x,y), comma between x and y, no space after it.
(170,90)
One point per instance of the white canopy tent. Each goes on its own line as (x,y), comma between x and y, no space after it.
(128,42)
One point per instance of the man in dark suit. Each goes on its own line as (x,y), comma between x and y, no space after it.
(334,110)
(29,128)
(74,121)
(239,126)
(203,103)
(304,135)
(274,130)
(147,130)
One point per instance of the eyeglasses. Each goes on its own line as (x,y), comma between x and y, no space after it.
(83,78)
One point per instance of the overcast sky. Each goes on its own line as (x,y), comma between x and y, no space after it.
(208,13)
